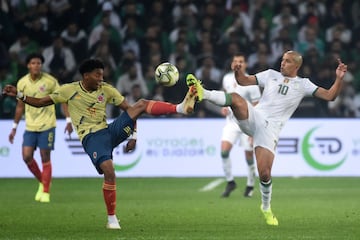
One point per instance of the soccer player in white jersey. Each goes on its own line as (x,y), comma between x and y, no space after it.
(282,94)
(232,133)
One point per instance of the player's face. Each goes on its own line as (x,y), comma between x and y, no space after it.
(94,79)
(34,66)
(288,66)
(239,60)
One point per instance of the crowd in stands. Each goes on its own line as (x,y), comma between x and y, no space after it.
(133,36)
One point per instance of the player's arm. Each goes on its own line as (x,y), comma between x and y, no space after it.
(20,106)
(331,93)
(35,102)
(68,128)
(243,79)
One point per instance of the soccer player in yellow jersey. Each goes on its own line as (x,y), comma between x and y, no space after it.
(40,123)
(87,100)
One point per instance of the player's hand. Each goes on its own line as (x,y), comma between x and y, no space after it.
(130,146)
(69,129)
(10,90)
(341,69)
(12,135)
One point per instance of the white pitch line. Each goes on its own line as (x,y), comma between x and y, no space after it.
(212,185)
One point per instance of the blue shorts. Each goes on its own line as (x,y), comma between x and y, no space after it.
(100,145)
(43,140)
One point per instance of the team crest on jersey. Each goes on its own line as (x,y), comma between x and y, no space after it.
(101,98)
(94,155)
(42,88)
(286,80)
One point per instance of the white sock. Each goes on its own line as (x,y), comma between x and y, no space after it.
(251,176)
(180,108)
(215,96)
(227,169)
(112,219)
(266,190)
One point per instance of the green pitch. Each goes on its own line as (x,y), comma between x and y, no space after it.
(175,209)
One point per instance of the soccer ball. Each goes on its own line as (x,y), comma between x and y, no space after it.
(166,74)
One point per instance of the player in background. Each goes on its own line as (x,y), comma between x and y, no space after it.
(282,94)
(40,123)
(232,133)
(87,100)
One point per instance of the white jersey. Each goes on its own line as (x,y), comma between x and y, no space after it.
(251,93)
(281,95)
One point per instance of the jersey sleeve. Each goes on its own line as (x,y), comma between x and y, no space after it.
(309,87)
(262,77)
(254,92)
(62,94)
(114,96)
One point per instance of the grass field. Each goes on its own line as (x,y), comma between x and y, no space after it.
(175,209)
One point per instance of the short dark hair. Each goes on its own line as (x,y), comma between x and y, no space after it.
(240,54)
(35,55)
(89,65)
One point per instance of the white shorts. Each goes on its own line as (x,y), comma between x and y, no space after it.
(265,133)
(231,133)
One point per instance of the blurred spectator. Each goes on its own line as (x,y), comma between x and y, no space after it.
(131,33)
(19,50)
(60,14)
(343,106)
(135,94)
(4,55)
(103,53)
(338,31)
(310,8)
(182,50)
(311,41)
(130,78)
(285,18)
(336,14)
(106,40)
(107,9)
(21,10)
(159,12)
(7,28)
(263,50)
(209,73)
(83,12)
(185,11)
(184,31)
(59,61)
(37,30)
(96,32)
(356,105)
(75,39)
(7,104)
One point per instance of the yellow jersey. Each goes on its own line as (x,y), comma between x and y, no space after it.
(44,118)
(87,109)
